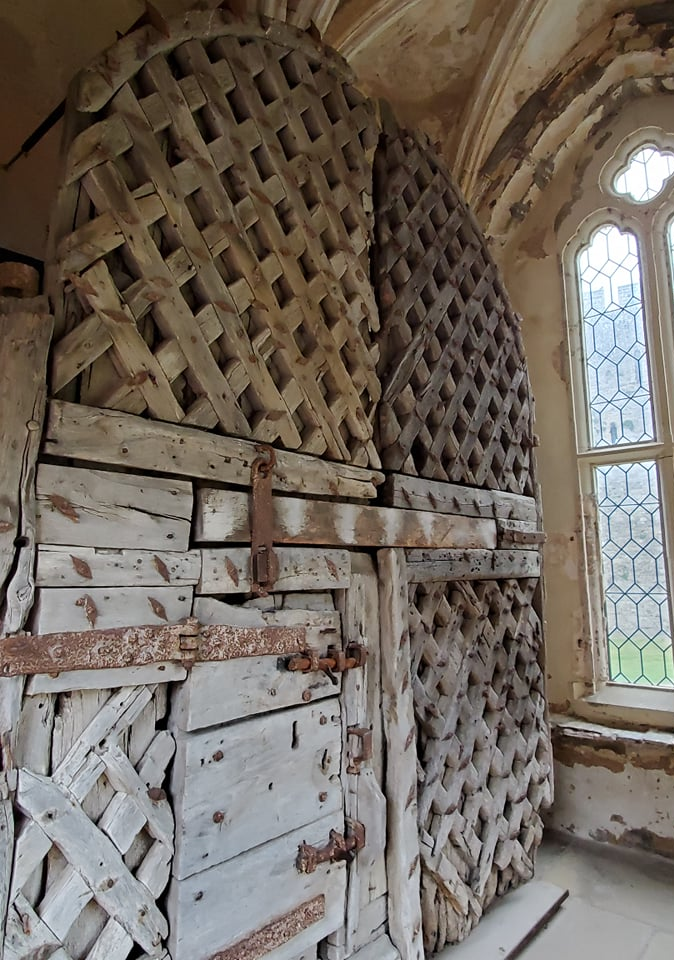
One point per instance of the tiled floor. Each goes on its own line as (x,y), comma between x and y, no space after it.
(620,906)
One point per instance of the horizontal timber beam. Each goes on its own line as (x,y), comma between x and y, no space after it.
(223,515)
(415,493)
(429,566)
(121,439)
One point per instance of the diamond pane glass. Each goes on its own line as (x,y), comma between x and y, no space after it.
(645,174)
(635,582)
(614,340)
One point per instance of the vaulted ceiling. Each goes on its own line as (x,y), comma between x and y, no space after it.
(503,85)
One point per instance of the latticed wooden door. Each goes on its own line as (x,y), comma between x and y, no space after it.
(211,238)
(483,744)
(95,829)
(456,418)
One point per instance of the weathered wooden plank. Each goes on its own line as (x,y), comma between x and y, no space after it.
(6,852)
(95,858)
(319,628)
(27,935)
(425,566)
(59,566)
(403,866)
(93,508)
(253,781)
(120,439)
(123,777)
(224,515)
(513,923)
(216,693)
(364,800)
(24,345)
(70,609)
(104,679)
(415,493)
(199,927)
(137,646)
(519,533)
(228,570)
(97,83)
(380,949)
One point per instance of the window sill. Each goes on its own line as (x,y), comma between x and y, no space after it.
(630,706)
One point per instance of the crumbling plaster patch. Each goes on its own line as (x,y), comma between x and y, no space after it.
(614,787)
(621,59)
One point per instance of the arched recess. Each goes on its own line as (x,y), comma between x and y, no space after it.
(625,58)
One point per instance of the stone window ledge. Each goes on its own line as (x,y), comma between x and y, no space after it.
(626,706)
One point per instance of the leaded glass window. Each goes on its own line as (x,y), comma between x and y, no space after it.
(622,278)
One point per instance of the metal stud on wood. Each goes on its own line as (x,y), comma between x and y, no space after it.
(483,745)
(455,402)
(212,238)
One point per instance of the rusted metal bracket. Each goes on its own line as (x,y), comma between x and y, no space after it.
(364,734)
(336,660)
(263,560)
(338,848)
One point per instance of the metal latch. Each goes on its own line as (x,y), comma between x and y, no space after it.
(338,848)
(336,660)
(263,560)
(365,736)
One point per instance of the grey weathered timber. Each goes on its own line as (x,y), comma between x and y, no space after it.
(112,438)
(362,774)
(96,508)
(417,493)
(242,784)
(224,515)
(73,609)
(427,566)
(217,693)
(24,344)
(199,927)
(228,570)
(62,566)
(93,852)
(403,866)
(25,335)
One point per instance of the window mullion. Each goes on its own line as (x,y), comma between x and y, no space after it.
(656,297)
(666,482)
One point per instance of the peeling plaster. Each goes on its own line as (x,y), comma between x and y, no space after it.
(615,790)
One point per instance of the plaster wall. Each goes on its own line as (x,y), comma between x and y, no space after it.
(603,788)
(615,788)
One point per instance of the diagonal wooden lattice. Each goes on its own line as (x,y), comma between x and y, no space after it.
(483,746)
(212,238)
(94,850)
(455,402)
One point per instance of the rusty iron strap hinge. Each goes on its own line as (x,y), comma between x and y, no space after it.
(187,643)
(263,560)
(338,848)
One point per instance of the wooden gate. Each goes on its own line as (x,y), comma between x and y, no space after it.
(231,227)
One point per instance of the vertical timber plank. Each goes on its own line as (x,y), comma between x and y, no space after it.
(402,862)
(25,334)
(24,346)
(364,800)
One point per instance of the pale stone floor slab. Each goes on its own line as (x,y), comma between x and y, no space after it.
(620,906)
